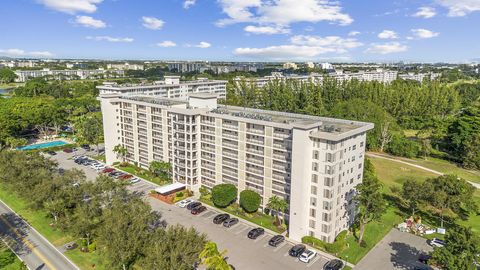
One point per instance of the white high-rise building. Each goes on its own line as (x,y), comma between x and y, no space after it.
(171,87)
(312,162)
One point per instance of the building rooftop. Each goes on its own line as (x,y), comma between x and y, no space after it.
(155,100)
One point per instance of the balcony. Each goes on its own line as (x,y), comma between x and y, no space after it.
(255,161)
(230,164)
(229,154)
(254,170)
(254,180)
(208,131)
(253,150)
(256,131)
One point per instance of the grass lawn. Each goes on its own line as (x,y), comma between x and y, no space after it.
(40,220)
(9,261)
(374,232)
(99,158)
(394,174)
(258,218)
(142,173)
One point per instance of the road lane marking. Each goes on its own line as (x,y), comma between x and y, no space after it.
(28,243)
(259,238)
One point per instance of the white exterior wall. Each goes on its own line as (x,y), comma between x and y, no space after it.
(111,131)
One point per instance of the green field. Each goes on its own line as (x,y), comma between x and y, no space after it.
(41,221)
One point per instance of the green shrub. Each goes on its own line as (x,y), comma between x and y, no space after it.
(204,191)
(336,247)
(92,247)
(179,194)
(224,194)
(250,201)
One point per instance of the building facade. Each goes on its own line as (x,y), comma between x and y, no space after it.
(81,74)
(312,162)
(171,87)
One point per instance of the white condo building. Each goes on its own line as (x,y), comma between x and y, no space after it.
(171,87)
(25,75)
(312,162)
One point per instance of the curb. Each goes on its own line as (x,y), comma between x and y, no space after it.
(41,236)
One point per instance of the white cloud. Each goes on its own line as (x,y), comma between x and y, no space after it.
(23,53)
(111,39)
(424,33)
(188,3)
(72,6)
(267,30)
(166,44)
(152,23)
(387,48)
(388,34)
(459,8)
(302,47)
(90,22)
(203,45)
(282,12)
(425,12)
(353,33)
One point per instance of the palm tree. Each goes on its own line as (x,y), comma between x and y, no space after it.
(212,258)
(278,205)
(121,152)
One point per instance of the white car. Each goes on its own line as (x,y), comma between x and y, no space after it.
(184,203)
(134,180)
(437,243)
(307,256)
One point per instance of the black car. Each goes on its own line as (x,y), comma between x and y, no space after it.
(254,233)
(297,250)
(230,222)
(333,265)
(276,240)
(85,146)
(423,258)
(220,218)
(52,153)
(192,205)
(197,210)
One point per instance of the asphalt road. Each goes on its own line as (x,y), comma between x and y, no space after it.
(30,246)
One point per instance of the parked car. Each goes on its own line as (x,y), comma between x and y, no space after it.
(192,205)
(125,177)
(184,203)
(51,153)
(334,264)
(254,233)
(307,256)
(230,222)
(197,210)
(276,240)
(108,170)
(423,258)
(435,242)
(297,250)
(67,150)
(220,218)
(85,146)
(134,180)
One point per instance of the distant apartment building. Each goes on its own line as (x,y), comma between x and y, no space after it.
(125,66)
(326,66)
(309,64)
(379,76)
(312,162)
(219,69)
(184,67)
(420,77)
(76,65)
(25,75)
(171,87)
(290,65)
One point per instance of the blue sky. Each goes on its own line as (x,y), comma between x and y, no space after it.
(243,30)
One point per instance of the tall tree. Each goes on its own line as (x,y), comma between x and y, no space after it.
(121,152)
(461,250)
(89,129)
(278,205)
(212,258)
(412,194)
(371,204)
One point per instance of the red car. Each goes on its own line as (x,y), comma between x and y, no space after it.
(198,210)
(108,170)
(125,177)
(68,150)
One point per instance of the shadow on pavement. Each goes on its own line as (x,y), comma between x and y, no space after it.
(13,229)
(404,256)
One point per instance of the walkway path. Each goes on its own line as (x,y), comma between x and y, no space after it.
(477,185)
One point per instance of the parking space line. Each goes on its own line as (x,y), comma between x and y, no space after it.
(279,247)
(231,227)
(317,257)
(245,227)
(259,238)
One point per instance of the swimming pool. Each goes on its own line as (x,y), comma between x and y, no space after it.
(42,145)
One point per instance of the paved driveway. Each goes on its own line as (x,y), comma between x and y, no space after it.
(396,251)
(242,252)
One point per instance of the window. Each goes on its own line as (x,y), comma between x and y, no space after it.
(313,201)
(314,190)
(360,165)
(361,144)
(351,181)
(311,224)
(312,212)
(315,167)
(354,147)
(328,181)
(315,154)
(314,178)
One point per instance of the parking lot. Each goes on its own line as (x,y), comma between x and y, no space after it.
(242,252)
